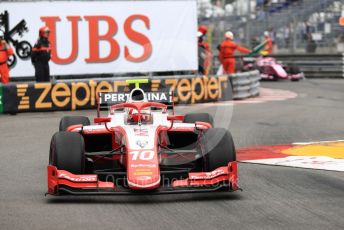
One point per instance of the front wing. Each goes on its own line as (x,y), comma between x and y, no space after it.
(222,179)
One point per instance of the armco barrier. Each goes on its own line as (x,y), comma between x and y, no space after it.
(81,94)
(312,65)
(316,65)
(245,84)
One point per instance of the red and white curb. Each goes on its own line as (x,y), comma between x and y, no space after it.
(324,163)
(326,155)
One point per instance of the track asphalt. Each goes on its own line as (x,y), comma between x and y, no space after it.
(273,198)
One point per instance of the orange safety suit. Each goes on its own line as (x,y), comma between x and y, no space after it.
(4,70)
(226,56)
(269,45)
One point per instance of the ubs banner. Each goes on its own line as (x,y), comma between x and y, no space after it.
(82,94)
(94,37)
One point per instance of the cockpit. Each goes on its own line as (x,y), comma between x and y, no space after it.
(135,117)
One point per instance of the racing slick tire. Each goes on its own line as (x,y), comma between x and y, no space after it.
(67,152)
(293,70)
(73,120)
(219,148)
(203,117)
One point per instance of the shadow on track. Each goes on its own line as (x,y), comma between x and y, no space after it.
(143,199)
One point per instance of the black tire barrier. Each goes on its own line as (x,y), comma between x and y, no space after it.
(245,84)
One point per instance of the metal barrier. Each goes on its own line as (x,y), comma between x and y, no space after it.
(245,84)
(312,65)
(316,65)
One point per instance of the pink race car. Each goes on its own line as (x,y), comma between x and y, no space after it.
(271,69)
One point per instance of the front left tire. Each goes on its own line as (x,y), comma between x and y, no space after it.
(73,120)
(67,152)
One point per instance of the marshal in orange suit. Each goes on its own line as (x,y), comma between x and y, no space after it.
(269,43)
(227,50)
(5,52)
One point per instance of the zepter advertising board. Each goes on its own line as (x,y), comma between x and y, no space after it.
(92,37)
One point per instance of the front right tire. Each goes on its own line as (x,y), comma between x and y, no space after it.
(219,148)
(203,117)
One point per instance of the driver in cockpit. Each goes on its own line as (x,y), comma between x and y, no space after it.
(145,117)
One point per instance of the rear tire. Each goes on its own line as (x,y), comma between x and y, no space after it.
(67,152)
(73,120)
(275,78)
(293,69)
(219,148)
(203,117)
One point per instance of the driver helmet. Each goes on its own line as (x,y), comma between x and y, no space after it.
(135,117)
(137,95)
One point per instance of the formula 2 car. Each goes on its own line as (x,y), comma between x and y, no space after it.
(140,147)
(271,69)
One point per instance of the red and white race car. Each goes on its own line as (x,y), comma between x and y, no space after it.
(140,147)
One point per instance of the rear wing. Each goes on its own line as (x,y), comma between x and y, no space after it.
(105,100)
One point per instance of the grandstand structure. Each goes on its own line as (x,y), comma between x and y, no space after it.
(296,26)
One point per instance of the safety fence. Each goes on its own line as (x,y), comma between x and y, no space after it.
(316,65)
(245,84)
(291,25)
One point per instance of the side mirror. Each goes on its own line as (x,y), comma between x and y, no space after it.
(102,119)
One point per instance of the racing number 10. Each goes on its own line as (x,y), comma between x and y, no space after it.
(142,155)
